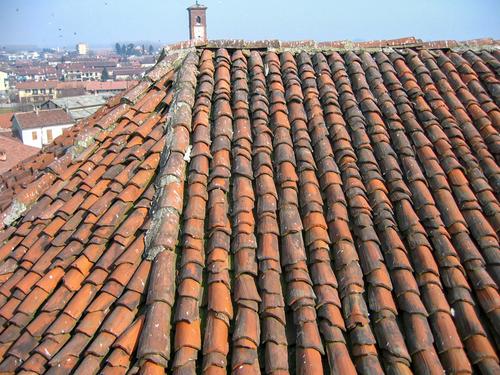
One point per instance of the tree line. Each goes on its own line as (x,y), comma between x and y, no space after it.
(131,49)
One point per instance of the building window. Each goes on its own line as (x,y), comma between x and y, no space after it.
(49,135)
(34,136)
(35,91)
(198,20)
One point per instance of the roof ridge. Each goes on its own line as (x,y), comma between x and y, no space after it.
(39,110)
(339,45)
(179,114)
(166,212)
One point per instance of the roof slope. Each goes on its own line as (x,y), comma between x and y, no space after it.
(81,101)
(20,176)
(6,121)
(30,85)
(43,118)
(13,152)
(79,106)
(276,210)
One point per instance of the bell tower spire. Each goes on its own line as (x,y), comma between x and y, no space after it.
(197,22)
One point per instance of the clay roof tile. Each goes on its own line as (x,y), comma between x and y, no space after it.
(265,206)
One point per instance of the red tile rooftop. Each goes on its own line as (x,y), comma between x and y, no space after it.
(6,121)
(266,207)
(12,151)
(88,85)
(109,86)
(43,118)
(30,85)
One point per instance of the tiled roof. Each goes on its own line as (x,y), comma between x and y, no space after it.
(80,101)
(12,151)
(24,173)
(66,85)
(37,70)
(6,121)
(70,85)
(30,85)
(43,118)
(274,208)
(109,85)
(128,71)
(80,106)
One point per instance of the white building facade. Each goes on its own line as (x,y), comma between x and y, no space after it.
(40,127)
(4,82)
(82,49)
(39,137)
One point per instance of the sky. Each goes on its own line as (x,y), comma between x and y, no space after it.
(58,23)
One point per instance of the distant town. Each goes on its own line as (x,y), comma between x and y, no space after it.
(44,91)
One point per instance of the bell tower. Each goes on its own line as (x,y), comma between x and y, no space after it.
(197,22)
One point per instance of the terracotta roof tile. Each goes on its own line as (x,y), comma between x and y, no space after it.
(12,151)
(42,118)
(6,122)
(269,207)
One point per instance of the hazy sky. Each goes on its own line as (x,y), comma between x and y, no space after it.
(52,23)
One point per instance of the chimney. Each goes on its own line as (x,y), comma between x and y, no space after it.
(197,22)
